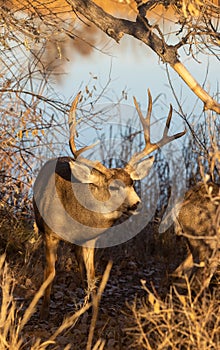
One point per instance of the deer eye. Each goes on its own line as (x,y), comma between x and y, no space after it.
(114,188)
(116,185)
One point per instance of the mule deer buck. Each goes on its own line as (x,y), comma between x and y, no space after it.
(197,218)
(108,195)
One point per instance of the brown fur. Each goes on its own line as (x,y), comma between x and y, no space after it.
(56,179)
(198,219)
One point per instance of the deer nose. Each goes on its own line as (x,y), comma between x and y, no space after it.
(136,206)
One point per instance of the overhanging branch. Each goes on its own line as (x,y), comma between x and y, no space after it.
(141,30)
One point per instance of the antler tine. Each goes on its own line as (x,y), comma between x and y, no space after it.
(149,146)
(73,133)
(146,128)
(165,138)
(166,129)
(72,126)
(149,111)
(145,121)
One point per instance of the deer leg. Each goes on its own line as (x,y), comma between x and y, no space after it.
(88,258)
(85,258)
(80,261)
(185,268)
(51,245)
(205,263)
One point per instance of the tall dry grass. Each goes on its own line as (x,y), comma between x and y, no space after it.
(179,322)
(13,320)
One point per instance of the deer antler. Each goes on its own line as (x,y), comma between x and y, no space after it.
(72,126)
(73,133)
(149,146)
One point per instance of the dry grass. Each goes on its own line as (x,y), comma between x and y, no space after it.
(179,322)
(13,320)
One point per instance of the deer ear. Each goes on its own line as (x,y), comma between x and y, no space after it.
(82,172)
(141,169)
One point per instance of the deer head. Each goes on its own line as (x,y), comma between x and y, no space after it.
(112,190)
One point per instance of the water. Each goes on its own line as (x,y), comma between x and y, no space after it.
(133,67)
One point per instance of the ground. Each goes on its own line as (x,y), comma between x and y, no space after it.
(146,260)
(131,267)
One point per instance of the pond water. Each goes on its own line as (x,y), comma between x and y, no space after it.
(133,67)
